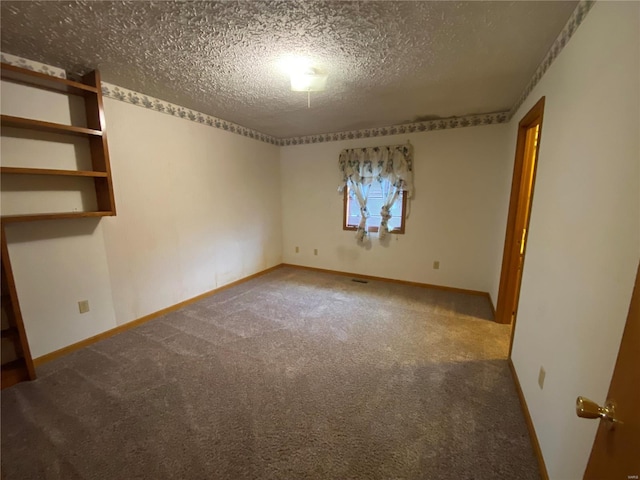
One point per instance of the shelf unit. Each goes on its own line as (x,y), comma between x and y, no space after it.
(90,89)
(21,368)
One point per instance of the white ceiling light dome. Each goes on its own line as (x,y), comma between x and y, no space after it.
(309,80)
(304,75)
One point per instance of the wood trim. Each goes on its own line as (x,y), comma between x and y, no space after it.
(511,337)
(345,197)
(394,280)
(403,221)
(50,171)
(99,146)
(31,124)
(134,323)
(527,417)
(32,217)
(534,115)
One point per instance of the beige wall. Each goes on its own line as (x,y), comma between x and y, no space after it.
(55,265)
(197,208)
(458,215)
(584,242)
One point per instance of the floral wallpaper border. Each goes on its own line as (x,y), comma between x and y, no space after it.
(145,101)
(576,18)
(32,65)
(152,103)
(417,127)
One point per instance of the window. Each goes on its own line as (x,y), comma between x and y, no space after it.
(377,194)
(380,181)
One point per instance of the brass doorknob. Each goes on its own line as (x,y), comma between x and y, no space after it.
(586,408)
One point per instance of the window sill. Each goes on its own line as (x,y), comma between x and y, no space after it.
(354,228)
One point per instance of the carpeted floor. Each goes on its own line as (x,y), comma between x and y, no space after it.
(292,375)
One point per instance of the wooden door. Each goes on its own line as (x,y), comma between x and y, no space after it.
(529,133)
(532,135)
(616,452)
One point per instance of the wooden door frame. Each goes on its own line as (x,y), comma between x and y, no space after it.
(533,117)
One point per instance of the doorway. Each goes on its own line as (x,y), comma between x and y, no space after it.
(522,186)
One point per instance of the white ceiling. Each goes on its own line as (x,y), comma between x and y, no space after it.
(389,62)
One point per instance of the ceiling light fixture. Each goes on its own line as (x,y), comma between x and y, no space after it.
(308,80)
(304,77)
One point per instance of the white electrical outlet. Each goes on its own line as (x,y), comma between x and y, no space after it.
(436,265)
(541,376)
(83,306)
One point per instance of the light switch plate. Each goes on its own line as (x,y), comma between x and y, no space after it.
(541,376)
(83,306)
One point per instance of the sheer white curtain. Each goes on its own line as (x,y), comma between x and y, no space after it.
(361,193)
(361,166)
(390,193)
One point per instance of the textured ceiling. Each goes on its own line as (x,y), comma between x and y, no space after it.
(388,62)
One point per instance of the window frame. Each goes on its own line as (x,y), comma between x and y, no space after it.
(372,228)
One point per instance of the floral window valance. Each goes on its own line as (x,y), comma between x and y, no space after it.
(392,165)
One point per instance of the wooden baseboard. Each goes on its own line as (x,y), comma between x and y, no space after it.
(532,431)
(134,323)
(394,280)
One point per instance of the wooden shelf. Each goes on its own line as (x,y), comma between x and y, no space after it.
(14,372)
(10,332)
(44,81)
(49,171)
(19,122)
(32,217)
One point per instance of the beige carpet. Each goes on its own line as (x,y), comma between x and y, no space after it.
(293,375)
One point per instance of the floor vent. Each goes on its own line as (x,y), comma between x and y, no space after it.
(359,280)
